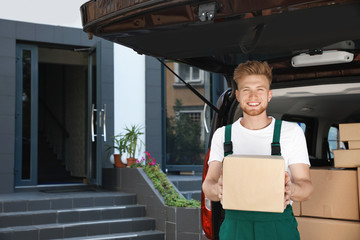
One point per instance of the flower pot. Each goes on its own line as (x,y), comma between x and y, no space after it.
(118,162)
(131,161)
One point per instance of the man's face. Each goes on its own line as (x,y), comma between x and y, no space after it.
(253,94)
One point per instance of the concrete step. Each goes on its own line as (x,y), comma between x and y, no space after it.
(70,216)
(74,213)
(58,200)
(196,195)
(144,235)
(80,229)
(189,186)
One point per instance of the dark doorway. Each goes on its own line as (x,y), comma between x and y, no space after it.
(62,116)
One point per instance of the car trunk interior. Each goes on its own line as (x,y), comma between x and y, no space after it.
(268,30)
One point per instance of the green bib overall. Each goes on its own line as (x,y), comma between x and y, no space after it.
(250,225)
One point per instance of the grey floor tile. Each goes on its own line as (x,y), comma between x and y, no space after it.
(68,216)
(120,227)
(44,218)
(83,202)
(99,229)
(17,206)
(61,204)
(52,233)
(104,201)
(25,232)
(125,200)
(90,215)
(16,220)
(75,231)
(38,205)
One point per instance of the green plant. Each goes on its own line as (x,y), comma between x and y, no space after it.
(132,139)
(147,160)
(119,144)
(166,189)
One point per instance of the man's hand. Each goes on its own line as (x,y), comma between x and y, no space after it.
(288,186)
(298,188)
(212,185)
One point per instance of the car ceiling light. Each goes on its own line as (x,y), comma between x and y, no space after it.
(325,58)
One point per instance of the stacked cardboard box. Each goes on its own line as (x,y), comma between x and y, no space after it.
(327,229)
(333,211)
(349,132)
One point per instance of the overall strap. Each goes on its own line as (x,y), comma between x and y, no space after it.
(228,143)
(275,145)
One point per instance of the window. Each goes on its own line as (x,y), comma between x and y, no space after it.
(194,116)
(186,137)
(310,126)
(302,125)
(334,141)
(189,74)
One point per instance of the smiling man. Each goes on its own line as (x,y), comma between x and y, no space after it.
(252,135)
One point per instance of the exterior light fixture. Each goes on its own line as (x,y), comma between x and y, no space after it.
(324,58)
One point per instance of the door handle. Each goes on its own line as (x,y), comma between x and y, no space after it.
(104,122)
(93,135)
(204,119)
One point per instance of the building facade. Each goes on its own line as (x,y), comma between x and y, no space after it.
(57,105)
(63,98)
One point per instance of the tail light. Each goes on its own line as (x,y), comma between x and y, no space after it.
(206,214)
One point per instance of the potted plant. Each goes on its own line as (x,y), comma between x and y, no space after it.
(133,142)
(120,145)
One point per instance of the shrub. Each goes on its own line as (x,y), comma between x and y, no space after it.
(166,189)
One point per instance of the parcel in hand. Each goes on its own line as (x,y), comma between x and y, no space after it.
(253,183)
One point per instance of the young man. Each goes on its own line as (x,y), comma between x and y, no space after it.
(252,134)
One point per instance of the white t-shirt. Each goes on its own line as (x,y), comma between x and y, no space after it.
(258,142)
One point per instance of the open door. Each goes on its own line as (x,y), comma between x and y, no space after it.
(60,119)
(96,117)
(26,140)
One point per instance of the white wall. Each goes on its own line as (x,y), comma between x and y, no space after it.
(129,73)
(129,85)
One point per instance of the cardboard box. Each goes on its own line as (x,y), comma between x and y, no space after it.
(327,229)
(335,195)
(253,183)
(347,158)
(354,144)
(296,206)
(349,132)
(358,177)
